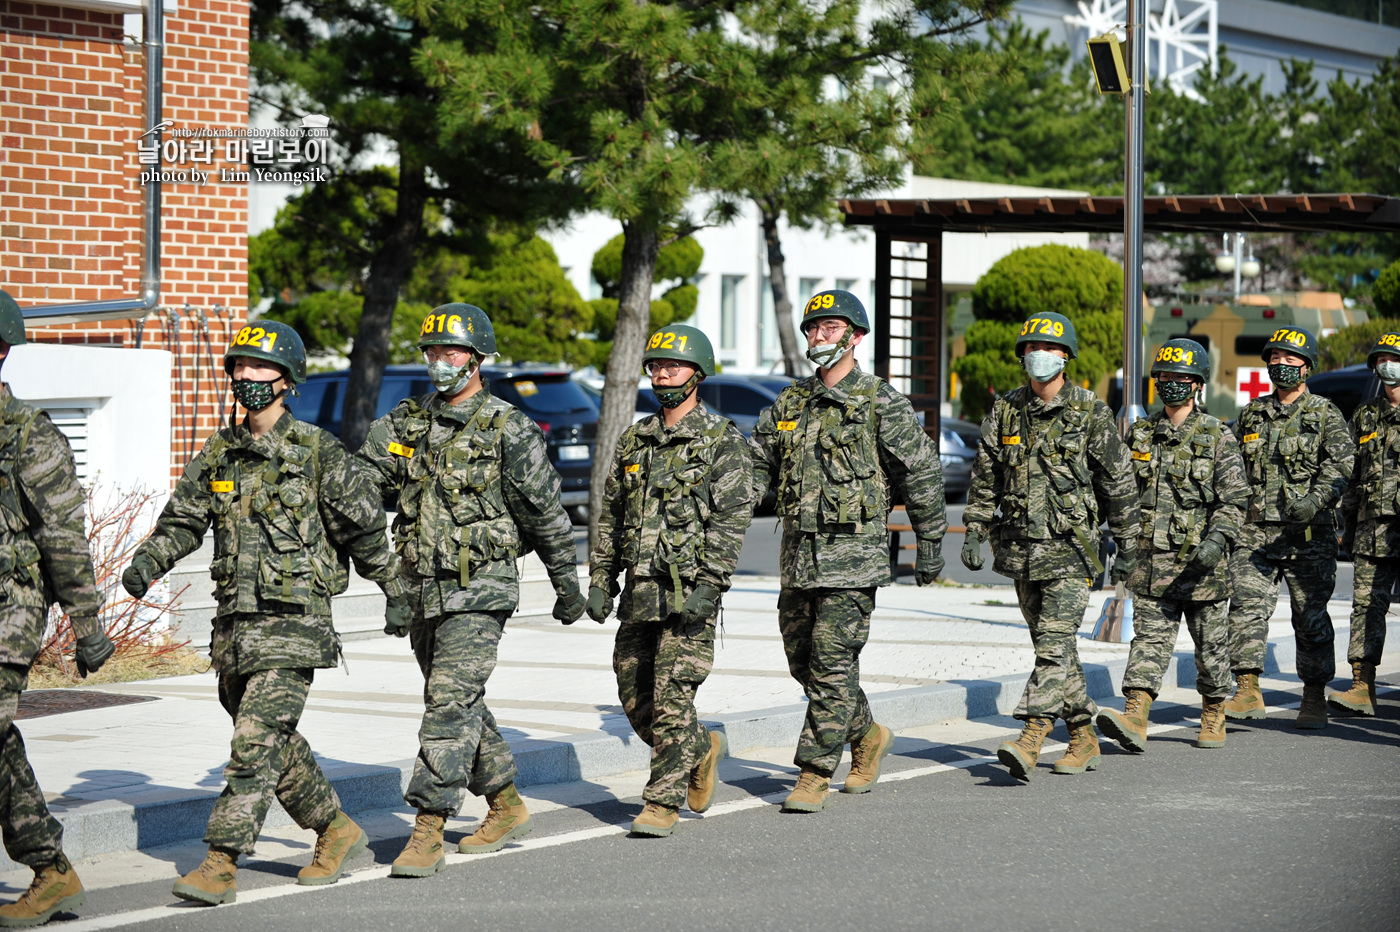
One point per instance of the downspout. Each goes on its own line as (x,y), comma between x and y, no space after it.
(123,308)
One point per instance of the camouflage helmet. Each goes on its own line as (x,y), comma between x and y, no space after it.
(458,325)
(1048,327)
(683,343)
(1292,339)
(840,304)
(1184,356)
(11,320)
(271,341)
(1385,343)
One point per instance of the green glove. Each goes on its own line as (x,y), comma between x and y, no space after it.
(91,652)
(1123,565)
(398,615)
(136,578)
(701,605)
(1208,552)
(600,604)
(568,608)
(972,549)
(1302,510)
(928,563)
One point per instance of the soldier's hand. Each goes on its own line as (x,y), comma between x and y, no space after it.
(136,578)
(1123,565)
(1208,553)
(91,652)
(928,563)
(1302,510)
(569,607)
(972,550)
(701,605)
(600,604)
(398,615)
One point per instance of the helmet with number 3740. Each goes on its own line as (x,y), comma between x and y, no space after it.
(682,343)
(1183,356)
(1296,340)
(271,341)
(458,325)
(1048,327)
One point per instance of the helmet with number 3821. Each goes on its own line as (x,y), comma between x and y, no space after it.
(1296,340)
(682,343)
(1183,356)
(1385,343)
(458,325)
(839,304)
(271,341)
(1048,327)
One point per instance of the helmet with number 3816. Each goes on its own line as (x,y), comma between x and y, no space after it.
(1385,343)
(1048,327)
(271,341)
(1296,340)
(458,325)
(1183,356)
(682,343)
(839,304)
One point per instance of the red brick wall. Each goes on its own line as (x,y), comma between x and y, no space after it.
(71,102)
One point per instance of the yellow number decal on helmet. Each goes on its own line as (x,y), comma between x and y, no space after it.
(255,336)
(821,302)
(1289,336)
(1390,339)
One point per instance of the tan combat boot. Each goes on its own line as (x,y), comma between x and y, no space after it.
(55,888)
(810,793)
(866,753)
(1212,724)
(423,855)
(705,777)
(340,842)
(1023,754)
(507,818)
(1083,751)
(1361,698)
(213,881)
(1128,728)
(1312,712)
(1248,701)
(656,820)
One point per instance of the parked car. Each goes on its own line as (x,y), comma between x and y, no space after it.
(1347,388)
(738,397)
(957,448)
(545,394)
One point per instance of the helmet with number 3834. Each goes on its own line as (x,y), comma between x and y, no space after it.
(1048,327)
(1183,356)
(458,325)
(839,304)
(271,341)
(1385,343)
(1296,340)
(682,343)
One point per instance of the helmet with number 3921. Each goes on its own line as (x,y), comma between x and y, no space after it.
(1048,327)
(271,341)
(682,343)
(1183,356)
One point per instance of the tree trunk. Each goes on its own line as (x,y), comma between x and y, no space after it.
(390,266)
(794,360)
(640,246)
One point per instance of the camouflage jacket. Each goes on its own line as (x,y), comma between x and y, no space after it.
(1291,451)
(1191,480)
(1371,505)
(677,502)
(289,509)
(474,489)
(44,554)
(835,456)
(1045,475)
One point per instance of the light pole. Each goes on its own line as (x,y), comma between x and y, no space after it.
(1244,266)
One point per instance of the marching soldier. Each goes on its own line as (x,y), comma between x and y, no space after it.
(679,498)
(1193,495)
(43,558)
(838,447)
(1298,459)
(473,487)
(1371,521)
(1049,467)
(288,504)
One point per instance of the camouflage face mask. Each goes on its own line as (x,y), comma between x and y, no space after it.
(673,396)
(1175,393)
(254,395)
(1285,376)
(449,379)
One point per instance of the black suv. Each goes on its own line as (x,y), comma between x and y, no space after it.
(1347,388)
(545,394)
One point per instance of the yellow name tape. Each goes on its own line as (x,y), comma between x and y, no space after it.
(787,425)
(400,449)
(221,486)
(1368,438)
(634,467)
(1011,441)
(1249,437)
(1142,456)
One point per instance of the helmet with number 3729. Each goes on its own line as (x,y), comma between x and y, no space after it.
(271,341)
(1048,327)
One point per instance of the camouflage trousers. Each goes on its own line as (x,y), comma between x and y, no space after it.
(659,667)
(1310,571)
(32,836)
(267,757)
(1054,610)
(459,746)
(823,632)
(1375,581)
(1156,622)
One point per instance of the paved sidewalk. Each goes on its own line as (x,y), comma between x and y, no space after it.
(145,774)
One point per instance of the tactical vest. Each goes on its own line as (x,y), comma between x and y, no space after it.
(1177,483)
(848,488)
(295,563)
(20,574)
(452,510)
(1282,456)
(666,505)
(1377,473)
(1047,490)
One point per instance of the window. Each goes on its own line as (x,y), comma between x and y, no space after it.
(1247,345)
(769,347)
(805,290)
(846,284)
(1198,337)
(729,311)
(72,423)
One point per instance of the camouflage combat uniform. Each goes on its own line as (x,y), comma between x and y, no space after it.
(1054,470)
(835,457)
(678,502)
(474,489)
(1371,511)
(43,558)
(288,509)
(1289,451)
(1192,484)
